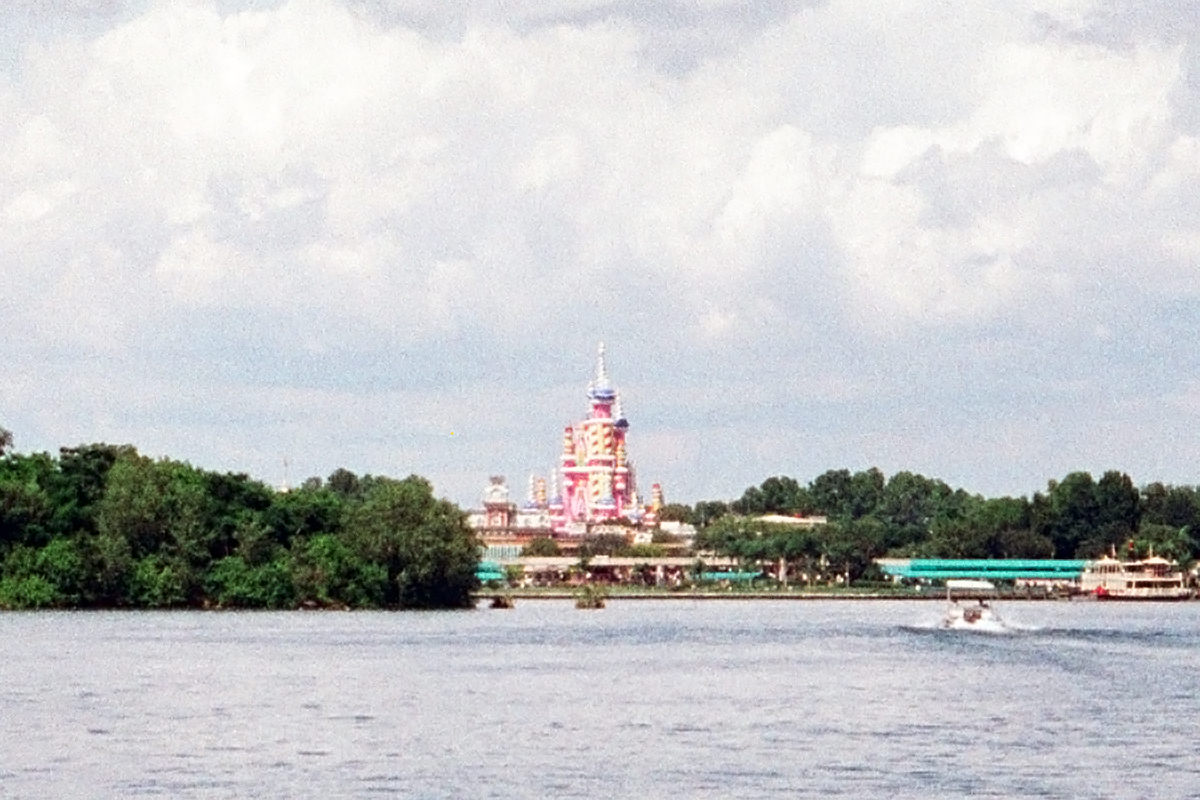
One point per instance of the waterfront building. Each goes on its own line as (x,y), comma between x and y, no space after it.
(596,477)
(504,526)
(593,484)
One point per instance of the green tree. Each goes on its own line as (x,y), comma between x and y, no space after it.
(831,493)
(157,581)
(978,528)
(675,512)
(161,511)
(1073,516)
(1175,544)
(645,551)
(708,511)
(601,544)
(791,545)
(233,583)
(235,508)
(958,538)
(751,502)
(61,562)
(757,543)
(424,543)
(850,546)
(102,525)
(343,482)
(1118,511)
(26,508)
(79,484)
(908,506)
(1176,506)
(1022,543)
(865,493)
(723,537)
(541,546)
(26,591)
(40,578)
(1154,499)
(1008,521)
(111,560)
(326,572)
(304,513)
(783,495)
(1002,514)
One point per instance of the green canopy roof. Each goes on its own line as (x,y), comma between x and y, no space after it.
(729,576)
(985,568)
(490,571)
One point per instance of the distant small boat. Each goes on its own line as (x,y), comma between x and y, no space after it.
(1152,578)
(977,616)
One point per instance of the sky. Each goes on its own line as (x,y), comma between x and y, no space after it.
(956,239)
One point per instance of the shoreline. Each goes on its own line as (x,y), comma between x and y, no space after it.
(751,596)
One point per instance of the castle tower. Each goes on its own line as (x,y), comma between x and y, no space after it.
(498,511)
(596,476)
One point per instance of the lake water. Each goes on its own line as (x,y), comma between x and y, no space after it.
(643,699)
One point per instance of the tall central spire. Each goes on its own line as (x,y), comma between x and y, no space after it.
(601,370)
(600,390)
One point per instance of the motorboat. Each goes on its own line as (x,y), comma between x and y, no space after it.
(974,613)
(1152,578)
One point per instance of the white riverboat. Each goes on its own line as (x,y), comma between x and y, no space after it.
(976,613)
(1152,578)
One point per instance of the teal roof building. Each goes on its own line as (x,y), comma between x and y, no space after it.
(940,569)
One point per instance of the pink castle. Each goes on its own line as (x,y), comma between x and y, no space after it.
(595,481)
(592,484)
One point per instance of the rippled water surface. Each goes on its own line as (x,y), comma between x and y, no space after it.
(643,699)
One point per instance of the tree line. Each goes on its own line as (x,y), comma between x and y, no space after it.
(102,526)
(909,515)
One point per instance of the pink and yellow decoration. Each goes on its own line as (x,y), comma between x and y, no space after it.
(597,478)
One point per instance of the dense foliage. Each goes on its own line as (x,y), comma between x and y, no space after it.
(541,546)
(909,515)
(102,526)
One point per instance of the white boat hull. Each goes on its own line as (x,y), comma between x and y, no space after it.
(973,618)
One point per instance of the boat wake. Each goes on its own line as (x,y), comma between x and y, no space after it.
(989,627)
(1155,637)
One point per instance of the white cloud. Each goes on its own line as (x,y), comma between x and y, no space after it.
(889,150)
(1044,98)
(382,187)
(193,266)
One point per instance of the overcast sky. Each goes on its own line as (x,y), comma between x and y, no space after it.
(954,238)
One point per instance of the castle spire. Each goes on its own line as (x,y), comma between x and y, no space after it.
(601,388)
(602,381)
(619,414)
